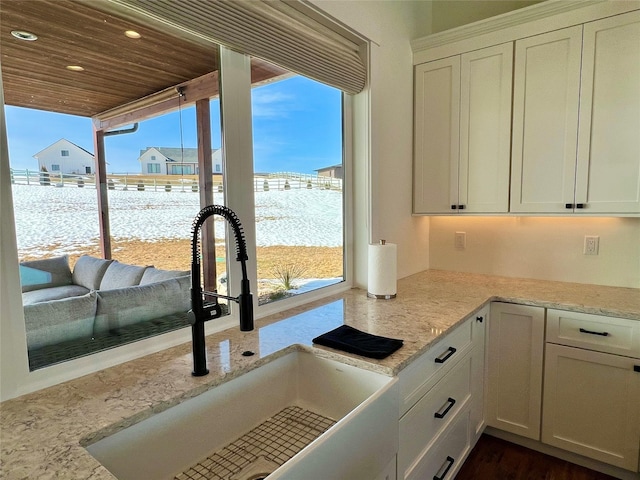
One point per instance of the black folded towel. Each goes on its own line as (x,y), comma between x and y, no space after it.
(349,339)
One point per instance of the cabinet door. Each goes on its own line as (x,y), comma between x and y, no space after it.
(592,405)
(545,121)
(514,374)
(479,326)
(485,129)
(608,170)
(436,136)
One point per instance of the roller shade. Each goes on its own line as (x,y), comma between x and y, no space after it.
(270,30)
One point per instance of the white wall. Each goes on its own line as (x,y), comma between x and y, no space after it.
(453,13)
(390,26)
(13,346)
(545,248)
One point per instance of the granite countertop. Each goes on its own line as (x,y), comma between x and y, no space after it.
(42,434)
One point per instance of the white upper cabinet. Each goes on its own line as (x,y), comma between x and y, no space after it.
(608,169)
(485,127)
(545,121)
(437,130)
(533,112)
(462,126)
(576,119)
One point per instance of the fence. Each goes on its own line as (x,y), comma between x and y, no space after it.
(169,183)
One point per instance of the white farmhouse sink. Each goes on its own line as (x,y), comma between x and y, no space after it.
(358,446)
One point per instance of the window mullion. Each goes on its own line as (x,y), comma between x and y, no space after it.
(237,151)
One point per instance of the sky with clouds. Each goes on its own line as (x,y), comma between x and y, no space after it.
(297,127)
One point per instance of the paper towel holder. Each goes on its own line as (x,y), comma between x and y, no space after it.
(381,297)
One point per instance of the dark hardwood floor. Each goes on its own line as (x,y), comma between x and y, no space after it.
(495,459)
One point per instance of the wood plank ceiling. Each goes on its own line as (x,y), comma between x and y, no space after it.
(117,69)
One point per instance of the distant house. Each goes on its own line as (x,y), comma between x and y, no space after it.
(65,157)
(175,161)
(334,171)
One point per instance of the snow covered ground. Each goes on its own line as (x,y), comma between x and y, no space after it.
(67,217)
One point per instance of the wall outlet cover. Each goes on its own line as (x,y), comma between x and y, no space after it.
(591,245)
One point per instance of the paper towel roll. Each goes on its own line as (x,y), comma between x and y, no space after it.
(382,274)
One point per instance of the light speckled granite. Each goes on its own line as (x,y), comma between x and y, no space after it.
(43,433)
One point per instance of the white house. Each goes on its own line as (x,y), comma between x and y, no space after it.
(66,157)
(175,161)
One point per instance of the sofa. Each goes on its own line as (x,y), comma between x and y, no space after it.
(99,299)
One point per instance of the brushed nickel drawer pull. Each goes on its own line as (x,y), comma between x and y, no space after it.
(590,332)
(446,355)
(444,410)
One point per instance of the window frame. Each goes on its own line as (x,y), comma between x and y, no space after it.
(16,377)
(238,166)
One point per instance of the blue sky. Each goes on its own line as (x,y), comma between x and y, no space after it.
(296,127)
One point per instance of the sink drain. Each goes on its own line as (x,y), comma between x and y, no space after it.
(258,469)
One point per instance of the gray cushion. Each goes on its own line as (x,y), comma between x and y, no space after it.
(55,293)
(52,322)
(126,306)
(49,272)
(153,275)
(120,275)
(88,271)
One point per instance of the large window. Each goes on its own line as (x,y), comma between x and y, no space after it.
(297,132)
(296,196)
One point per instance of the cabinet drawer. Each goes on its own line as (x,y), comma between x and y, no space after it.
(433,412)
(422,374)
(447,455)
(594,332)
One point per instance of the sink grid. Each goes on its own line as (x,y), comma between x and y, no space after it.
(275,440)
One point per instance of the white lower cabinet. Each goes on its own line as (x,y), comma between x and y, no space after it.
(443,461)
(514,372)
(592,405)
(591,402)
(442,414)
(478,371)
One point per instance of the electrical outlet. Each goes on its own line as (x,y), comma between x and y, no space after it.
(591,244)
(460,240)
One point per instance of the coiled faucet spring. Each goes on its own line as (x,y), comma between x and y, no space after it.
(203,311)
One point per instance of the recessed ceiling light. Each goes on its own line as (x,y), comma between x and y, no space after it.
(132,34)
(75,68)
(22,35)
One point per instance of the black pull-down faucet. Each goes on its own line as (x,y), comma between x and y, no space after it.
(202,310)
